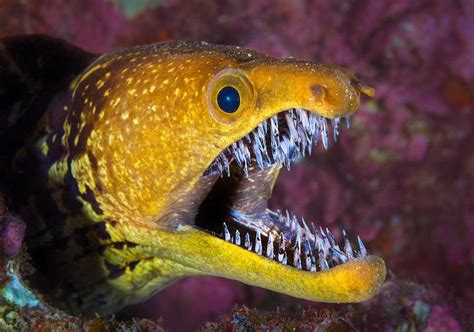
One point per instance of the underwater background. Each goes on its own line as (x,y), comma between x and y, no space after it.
(402,176)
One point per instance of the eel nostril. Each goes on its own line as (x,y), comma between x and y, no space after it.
(318,92)
(363,88)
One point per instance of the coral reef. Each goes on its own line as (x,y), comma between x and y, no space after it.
(402,176)
(22,309)
(401,306)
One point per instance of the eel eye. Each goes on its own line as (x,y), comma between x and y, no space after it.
(228,99)
(229,96)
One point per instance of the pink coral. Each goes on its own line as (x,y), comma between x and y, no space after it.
(402,177)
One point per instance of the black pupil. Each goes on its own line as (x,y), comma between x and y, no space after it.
(228,99)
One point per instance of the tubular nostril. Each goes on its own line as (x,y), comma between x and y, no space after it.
(363,88)
(318,92)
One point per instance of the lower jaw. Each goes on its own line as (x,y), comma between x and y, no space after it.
(192,252)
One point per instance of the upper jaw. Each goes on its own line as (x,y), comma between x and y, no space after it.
(249,168)
(280,139)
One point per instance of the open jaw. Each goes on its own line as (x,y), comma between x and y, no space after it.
(235,210)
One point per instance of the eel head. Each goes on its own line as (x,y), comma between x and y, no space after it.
(184,144)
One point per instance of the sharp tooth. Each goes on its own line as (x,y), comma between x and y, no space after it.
(335,128)
(281,250)
(297,258)
(237,154)
(226,233)
(307,232)
(323,264)
(304,119)
(280,216)
(337,254)
(348,121)
(347,245)
(295,225)
(309,258)
(326,243)
(308,263)
(248,244)
(285,152)
(258,156)
(313,123)
(331,238)
(362,250)
(314,230)
(237,237)
(324,133)
(247,154)
(258,243)
(262,128)
(291,126)
(298,240)
(275,139)
(297,253)
(316,131)
(288,219)
(270,246)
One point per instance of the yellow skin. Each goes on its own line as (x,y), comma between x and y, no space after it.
(141,127)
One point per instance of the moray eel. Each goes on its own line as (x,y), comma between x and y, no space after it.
(156,162)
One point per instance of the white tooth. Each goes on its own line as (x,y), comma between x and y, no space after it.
(335,128)
(287,219)
(247,154)
(362,251)
(237,154)
(237,237)
(313,124)
(258,156)
(316,132)
(348,121)
(347,245)
(309,257)
(304,119)
(307,232)
(258,243)
(295,225)
(247,243)
(332,240)
(291,127)
(337,254)
(282,251)
(297,258)
(323,264)
(324,133)
(226,233)
(280,216)
(246,169)
(326,243)
(298,240)
(270,246)
(308,263)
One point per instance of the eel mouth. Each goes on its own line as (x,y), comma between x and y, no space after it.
(236,210)
(235,235)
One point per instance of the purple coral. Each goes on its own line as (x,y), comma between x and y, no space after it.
(12,231)
(402,177)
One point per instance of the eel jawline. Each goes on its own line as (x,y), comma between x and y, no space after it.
(264,248)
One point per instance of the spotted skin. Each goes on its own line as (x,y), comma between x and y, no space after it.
(115,174)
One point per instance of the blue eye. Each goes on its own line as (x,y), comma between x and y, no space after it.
(228,99)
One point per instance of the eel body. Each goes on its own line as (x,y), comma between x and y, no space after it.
(156,162)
